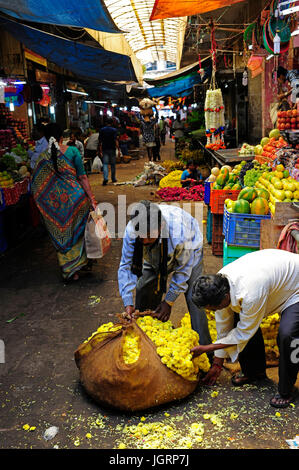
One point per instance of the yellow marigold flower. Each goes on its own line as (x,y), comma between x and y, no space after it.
(122,446)
(26,427)
(88,435)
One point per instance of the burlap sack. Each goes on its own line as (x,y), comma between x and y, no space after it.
(129,387)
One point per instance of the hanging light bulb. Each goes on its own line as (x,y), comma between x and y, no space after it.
(11,106)
(245,78)
(276,41)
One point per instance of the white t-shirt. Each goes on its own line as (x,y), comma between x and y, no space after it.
(93,142)
(261,284)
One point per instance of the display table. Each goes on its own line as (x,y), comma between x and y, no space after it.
(224,156)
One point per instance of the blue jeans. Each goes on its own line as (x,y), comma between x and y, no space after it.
(109,158)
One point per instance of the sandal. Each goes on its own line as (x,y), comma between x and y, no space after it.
(280,402)
(240,379)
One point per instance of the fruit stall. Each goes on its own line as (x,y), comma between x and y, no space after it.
(248,202)
(16,214)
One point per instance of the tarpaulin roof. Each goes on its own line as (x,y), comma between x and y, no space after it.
(84,61)
(87,14)
(176,74)
(170,9)
(175,87)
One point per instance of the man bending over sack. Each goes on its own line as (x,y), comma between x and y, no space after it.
(242,294)
(160,240)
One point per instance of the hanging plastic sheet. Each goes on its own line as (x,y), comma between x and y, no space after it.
(87,14)
(84,61)
(178,87)
(166,9)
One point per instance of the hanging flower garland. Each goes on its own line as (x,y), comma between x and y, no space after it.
(214,107)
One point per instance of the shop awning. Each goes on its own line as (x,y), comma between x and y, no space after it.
(169,9)
(84,61)
(86,14)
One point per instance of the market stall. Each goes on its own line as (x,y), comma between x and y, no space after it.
(16,208)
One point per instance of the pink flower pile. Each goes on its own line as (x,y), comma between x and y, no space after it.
(196,193)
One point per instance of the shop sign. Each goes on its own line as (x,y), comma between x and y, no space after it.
(30,55)
(45,77)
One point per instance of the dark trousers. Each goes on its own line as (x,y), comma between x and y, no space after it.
(253,359)
(163,137)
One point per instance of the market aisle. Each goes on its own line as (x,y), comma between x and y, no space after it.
(44,321)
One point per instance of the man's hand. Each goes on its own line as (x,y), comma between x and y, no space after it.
(129,312)
(212,375)
(198,350)
(163,311)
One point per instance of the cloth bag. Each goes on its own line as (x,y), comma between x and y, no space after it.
(97,236)
(130,387)
(97,164)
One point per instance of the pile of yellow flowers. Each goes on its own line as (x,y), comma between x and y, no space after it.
(269,327)
(174,344)
(172,180)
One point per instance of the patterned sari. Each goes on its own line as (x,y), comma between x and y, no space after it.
(64,206)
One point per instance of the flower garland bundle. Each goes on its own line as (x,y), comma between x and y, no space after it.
(214,119)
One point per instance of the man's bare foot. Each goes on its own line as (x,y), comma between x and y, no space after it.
(280,402)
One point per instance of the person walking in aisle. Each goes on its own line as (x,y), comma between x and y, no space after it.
(108,146)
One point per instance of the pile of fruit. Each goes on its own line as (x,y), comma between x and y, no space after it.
(172,180)
(195,193)
(173,344)
(280,185)
(270,145)
(253,201)
(288,120)
(225,177)
(246,149)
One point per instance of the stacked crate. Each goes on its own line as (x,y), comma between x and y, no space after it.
(241,234)
(217,198)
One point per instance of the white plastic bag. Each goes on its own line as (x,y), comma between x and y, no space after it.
(97,164)
(97,236)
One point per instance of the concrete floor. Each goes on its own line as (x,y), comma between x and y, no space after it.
(39,381)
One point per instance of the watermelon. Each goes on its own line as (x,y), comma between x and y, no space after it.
(260,206)
(261,192)
(249,194)
(242,206)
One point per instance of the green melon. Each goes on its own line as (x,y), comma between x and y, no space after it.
(249,194)
(242,206)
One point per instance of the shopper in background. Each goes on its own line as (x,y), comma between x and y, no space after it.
(108,146)
(178,129)
(41,144)
(92,146)
(147,127)
(156,149)
(163,129)
(74,141)
(283,90)
(63,196)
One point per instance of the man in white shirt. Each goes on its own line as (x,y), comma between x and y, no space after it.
(254,286)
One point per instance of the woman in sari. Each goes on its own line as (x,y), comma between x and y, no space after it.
(63,196)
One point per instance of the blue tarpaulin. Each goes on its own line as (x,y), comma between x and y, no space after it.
(91,14)
(84,61)
(174,88)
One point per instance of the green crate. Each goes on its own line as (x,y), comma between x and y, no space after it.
(231,253)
